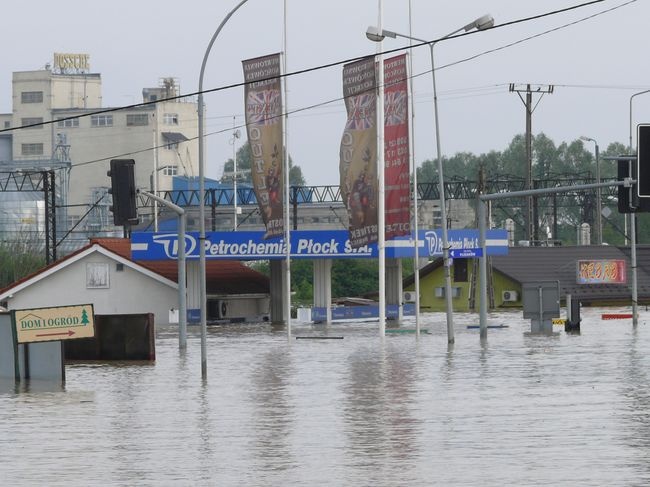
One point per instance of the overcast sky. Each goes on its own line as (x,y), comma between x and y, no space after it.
(595,65)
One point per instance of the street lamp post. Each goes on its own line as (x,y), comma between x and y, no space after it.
(202,285)
(377,35)
(599,219)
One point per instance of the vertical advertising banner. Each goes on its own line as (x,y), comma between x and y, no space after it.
(358,154)
(396,144)
(264,123)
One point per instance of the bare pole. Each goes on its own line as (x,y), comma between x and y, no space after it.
(285,143)
(381,238)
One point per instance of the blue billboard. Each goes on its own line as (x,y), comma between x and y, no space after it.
(307,244)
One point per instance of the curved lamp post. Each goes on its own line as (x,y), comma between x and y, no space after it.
(377,35)
(202,288)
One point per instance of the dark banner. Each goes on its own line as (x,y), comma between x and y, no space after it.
(264,123)
(358,156)
(396,143)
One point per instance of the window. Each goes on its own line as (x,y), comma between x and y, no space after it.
(171,146)
(32,121)
(170,171)
(31,97)
(7,124)
(137,119)
(73,122)
(101,121)
(32,149)
(96,275)
(170,118)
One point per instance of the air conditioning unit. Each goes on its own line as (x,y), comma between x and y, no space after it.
(509,296)
(408,297)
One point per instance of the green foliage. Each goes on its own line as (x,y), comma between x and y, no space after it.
(244,161)
(17,260)
(354,277)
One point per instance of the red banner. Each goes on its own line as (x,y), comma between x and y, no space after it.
(358,155)
(264,122)
(397,182)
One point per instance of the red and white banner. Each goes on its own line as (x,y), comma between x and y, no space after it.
(397,182)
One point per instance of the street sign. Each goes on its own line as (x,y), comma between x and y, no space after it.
(49,324)
(465,253)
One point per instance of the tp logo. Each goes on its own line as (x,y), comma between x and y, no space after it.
(170,244)
(434,244)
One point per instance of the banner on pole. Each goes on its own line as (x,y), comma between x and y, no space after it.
(358,154)
(397,182)
(264,125)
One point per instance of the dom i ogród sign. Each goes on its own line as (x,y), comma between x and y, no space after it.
(309,244)
(50,324)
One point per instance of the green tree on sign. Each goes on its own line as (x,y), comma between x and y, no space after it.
(84,317)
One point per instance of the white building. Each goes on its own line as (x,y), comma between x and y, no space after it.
(161,136)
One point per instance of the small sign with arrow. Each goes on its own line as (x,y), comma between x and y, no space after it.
(50,324)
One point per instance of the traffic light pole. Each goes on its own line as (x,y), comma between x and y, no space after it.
(182,294)
(482,199)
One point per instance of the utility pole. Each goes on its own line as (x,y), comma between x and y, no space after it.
(530,221)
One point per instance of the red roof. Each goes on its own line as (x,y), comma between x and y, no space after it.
(222,276)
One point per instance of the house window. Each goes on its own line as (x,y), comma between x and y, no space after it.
(69,123)
(172,146)
(170,118)
(32,149)
(32,121)
(31,97)
(170,171)
(7,124)
(137,119)
(97,275)
(101,120)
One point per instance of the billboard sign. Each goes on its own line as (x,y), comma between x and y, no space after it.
(306,244)
(601,271)
(50,324)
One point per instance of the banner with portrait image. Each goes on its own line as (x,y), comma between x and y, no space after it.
(264,124)
(397,181)
(358,153)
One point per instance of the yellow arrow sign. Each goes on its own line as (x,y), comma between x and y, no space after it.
(559,321)
(49,324)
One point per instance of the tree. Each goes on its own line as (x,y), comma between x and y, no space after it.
(244,161)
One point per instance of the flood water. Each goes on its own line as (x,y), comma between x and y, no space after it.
(357,411)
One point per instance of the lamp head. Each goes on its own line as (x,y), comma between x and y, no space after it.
(586,139)
(375,35)
(482,23)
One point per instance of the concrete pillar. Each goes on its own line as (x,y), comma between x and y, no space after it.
(323,286)
(394,286)
(278,277)
(193,278)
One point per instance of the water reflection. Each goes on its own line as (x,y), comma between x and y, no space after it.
(379,424)
(272,411)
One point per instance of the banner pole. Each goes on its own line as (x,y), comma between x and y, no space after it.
(285,143)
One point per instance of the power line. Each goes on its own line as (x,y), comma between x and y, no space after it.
(323,66)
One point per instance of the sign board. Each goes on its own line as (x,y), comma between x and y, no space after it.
(465,253)
(603,271)
(49,324)
(541,300)
(307,244)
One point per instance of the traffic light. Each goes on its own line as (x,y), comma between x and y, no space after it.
(123,190)
(630,199)
(643,160)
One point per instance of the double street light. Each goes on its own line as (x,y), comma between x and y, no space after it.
(376,34)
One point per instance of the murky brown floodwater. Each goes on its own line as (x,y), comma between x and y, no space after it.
(517,410)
